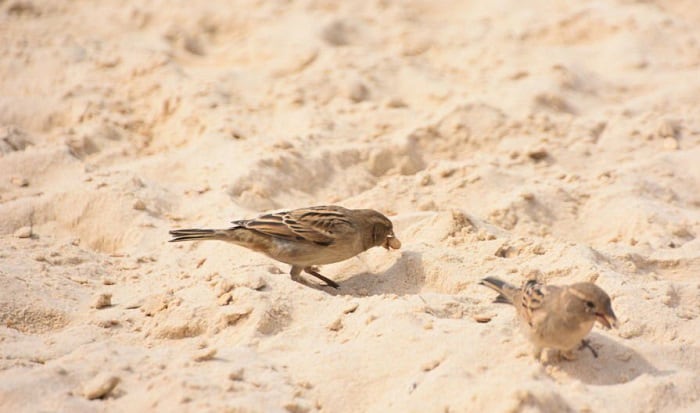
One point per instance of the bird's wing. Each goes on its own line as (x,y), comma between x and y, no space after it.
(531,301)
(321,225)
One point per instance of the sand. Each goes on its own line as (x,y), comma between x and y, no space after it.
(517,139)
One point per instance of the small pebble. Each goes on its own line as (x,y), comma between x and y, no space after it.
(224,286)
(668,129)
(139,205)
(358,92)
(225,299)
(237,374)
(425,180)
(274,270)
(414,46)
(233,315)
(19,181)
(482,318)
(336,325)
(24,232)
(631,330)
(538,155)
(193,45)
(297,406)
(100,386)
(351,308)
(428,205)
(102,300)
(670,144)
(79,280)
(336,33)
(624,356)
(255,282)
(108,323)
(205,355)
(431,365)
(395,103)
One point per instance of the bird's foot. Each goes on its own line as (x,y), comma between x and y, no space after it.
(568,355)
(303,281)
(587,344)
(314,271)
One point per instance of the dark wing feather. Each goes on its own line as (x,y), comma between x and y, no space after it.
(321,225)
(532,299)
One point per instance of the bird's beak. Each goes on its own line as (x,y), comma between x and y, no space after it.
(607,319)
(392,242)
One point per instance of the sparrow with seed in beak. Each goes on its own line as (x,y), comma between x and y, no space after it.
(305,237)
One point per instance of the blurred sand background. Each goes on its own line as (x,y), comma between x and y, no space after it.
(549,139)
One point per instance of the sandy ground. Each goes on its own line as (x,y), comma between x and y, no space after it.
(549,139)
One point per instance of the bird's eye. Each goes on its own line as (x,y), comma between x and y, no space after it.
(590,304)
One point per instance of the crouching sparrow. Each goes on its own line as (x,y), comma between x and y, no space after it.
(556,317)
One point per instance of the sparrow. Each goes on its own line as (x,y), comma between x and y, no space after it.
(556,317)
(305,237)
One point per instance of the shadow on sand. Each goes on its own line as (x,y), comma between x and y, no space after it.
(616,363)
(405,276)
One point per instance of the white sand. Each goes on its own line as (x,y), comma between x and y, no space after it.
(516,139)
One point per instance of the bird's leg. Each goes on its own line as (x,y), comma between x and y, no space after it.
(568,355)
(314,271)
(295,273)
(587,344)
(537,353)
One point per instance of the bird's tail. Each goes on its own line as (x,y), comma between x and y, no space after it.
(505,291)
(195,234)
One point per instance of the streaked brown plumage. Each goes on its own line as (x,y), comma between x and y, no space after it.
(305,237)
(557,317)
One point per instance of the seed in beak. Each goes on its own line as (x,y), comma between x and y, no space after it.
(392,242)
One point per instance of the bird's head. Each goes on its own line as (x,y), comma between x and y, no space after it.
(594,303)
(379,230)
